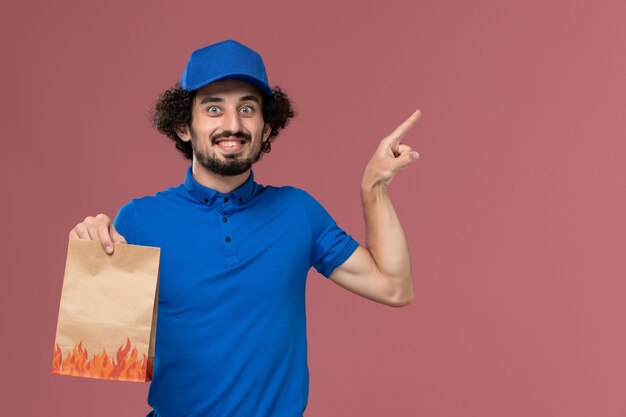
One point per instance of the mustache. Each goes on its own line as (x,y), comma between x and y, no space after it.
(228,134)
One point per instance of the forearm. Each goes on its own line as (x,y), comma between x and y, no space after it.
(385,239)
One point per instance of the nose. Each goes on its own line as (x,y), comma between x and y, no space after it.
(232,121)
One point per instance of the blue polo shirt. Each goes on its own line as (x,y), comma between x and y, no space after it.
(231,328)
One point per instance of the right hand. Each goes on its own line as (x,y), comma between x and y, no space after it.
(98,228)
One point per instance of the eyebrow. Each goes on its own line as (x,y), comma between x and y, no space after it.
(212,99)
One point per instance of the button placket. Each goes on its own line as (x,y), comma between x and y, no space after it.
(225,213)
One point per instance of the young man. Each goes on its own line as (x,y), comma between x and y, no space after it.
(231,332)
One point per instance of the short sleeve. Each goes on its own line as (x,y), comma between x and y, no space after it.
(331,244)
(125,223)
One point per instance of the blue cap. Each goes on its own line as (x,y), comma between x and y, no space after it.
(226,59)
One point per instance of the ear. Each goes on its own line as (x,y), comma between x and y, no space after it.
(183,133)
(267,129)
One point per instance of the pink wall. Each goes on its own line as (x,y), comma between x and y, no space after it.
(514,212)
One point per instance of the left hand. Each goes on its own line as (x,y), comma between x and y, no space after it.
(391,156)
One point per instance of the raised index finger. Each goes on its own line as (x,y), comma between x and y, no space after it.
(401,130)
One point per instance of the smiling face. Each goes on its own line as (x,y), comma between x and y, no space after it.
(227,127)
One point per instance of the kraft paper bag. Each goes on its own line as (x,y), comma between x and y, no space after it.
(107,316)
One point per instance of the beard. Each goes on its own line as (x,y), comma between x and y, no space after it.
(233,165)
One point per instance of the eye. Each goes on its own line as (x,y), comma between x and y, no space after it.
(213,109)
(246,109)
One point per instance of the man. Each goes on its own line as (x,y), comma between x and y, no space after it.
(231,333)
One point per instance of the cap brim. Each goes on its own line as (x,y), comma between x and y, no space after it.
(264,88)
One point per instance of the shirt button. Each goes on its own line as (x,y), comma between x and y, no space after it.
(225,199)
(224,219)
(228,238)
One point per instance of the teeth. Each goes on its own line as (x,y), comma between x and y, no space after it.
(229,143)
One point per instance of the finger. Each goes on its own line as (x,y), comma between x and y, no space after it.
(406,159)
(103,222)
(74,234)
(89,225)
(81,230)
(117,238)
(400,149)
(401,130)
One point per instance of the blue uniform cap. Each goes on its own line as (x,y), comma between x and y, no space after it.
(226,59)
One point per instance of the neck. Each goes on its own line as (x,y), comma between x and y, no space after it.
(217,182)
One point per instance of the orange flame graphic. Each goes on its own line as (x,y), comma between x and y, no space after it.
(127,367)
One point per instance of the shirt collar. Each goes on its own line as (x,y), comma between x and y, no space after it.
(240,195)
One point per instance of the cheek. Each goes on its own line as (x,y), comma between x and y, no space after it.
(258,128)
(204,127)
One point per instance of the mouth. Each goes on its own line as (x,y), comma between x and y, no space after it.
(230,145)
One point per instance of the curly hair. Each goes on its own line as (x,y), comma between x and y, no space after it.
(173,108)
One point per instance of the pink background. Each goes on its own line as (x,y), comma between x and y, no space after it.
(515,211)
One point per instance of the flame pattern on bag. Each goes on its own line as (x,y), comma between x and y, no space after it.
(126,367)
